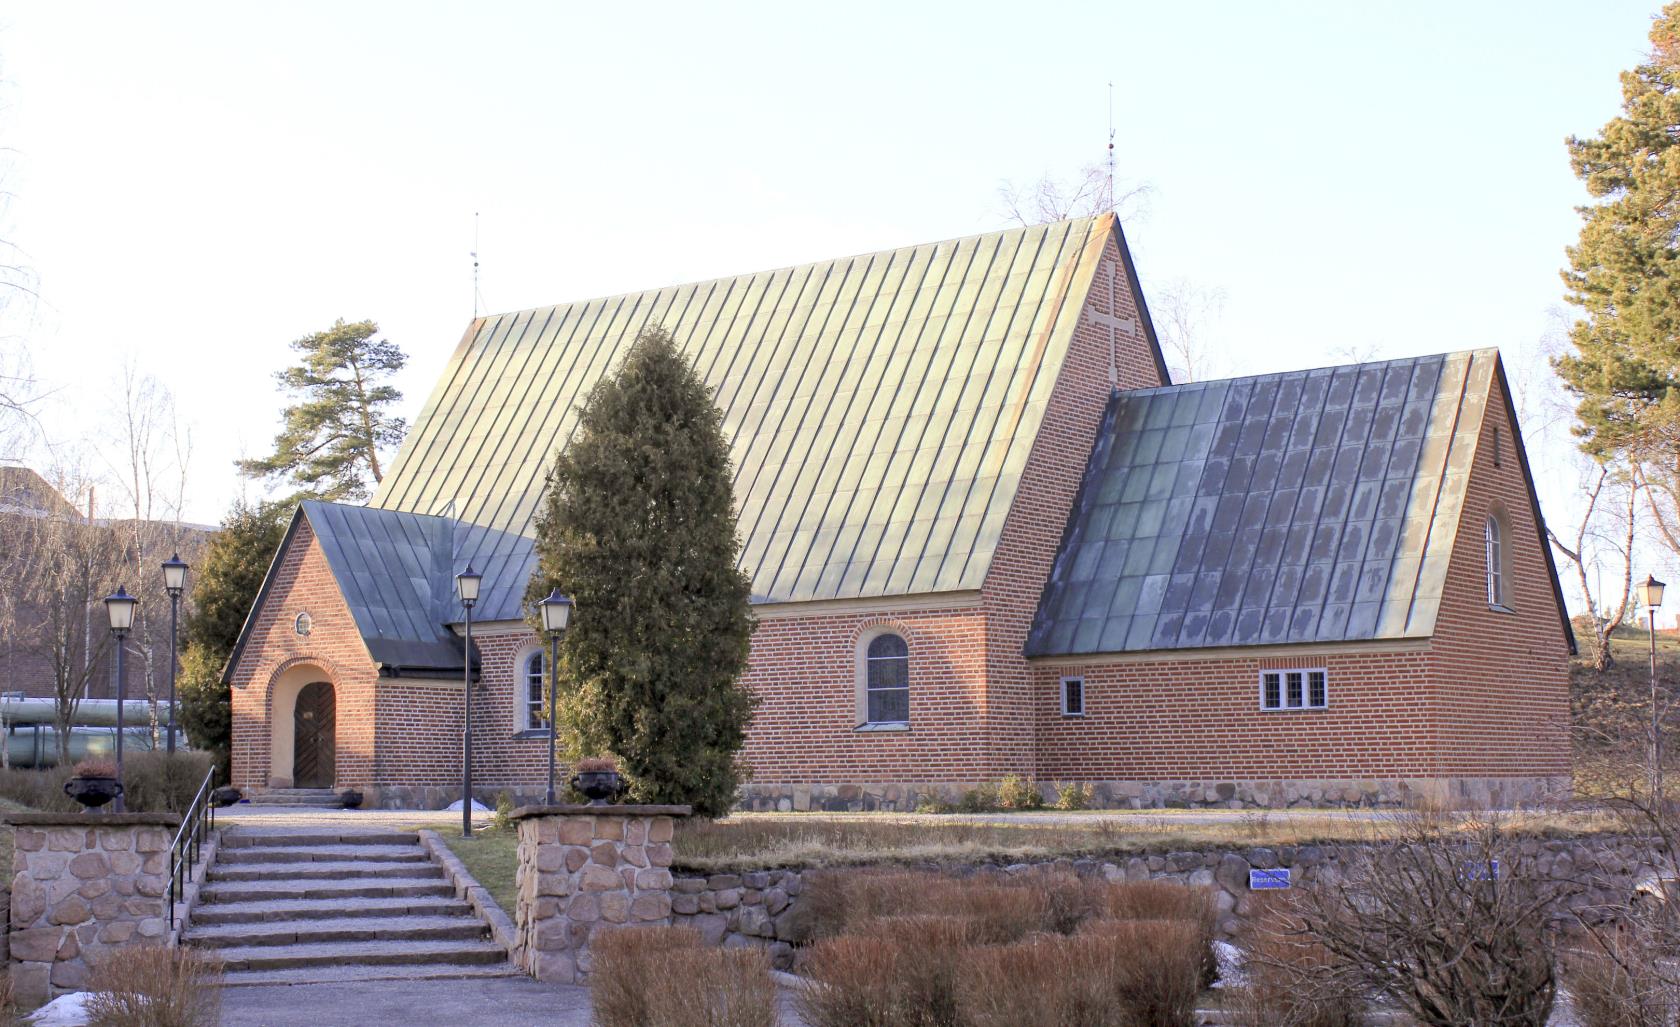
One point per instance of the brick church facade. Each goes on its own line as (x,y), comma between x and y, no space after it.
(986,536)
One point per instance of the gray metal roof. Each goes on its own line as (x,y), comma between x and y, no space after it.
(880,407)
(1309,506)
(397,572)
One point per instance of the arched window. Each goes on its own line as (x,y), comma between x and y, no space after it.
(1497,586)
(530,713)
(887,671)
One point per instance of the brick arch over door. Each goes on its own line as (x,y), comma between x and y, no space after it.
(287,684)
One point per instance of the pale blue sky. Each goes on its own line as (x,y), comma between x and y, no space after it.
(199,184)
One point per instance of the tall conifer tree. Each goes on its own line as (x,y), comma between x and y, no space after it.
(1624,274)
(639,528)
(330,442)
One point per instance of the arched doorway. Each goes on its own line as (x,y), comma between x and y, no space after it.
(313,736)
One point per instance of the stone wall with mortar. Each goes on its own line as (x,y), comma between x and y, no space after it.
(763,909)
(82,884)
(583,869)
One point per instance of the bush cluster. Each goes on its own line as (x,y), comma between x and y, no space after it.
(665,977)
(155,986)
(153,782)
(925,950)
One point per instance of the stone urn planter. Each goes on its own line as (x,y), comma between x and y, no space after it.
(598,780)
(350,798)
(94,784)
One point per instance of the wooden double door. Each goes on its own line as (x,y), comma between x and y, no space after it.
(313,736)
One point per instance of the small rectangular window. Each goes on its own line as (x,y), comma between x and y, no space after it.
(1073,697)
(1304,689)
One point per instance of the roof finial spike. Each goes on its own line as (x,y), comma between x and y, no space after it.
(1112,205)
(477,296)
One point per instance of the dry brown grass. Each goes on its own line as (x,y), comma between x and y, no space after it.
(1291,980)
(1617,983)
(155,986)
(751,841)
(665,977)
(864,981)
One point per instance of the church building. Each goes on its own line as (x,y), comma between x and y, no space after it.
(986,536)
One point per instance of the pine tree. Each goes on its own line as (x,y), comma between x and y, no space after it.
(224,587)
(638,527)
(1624,271)
(330,442)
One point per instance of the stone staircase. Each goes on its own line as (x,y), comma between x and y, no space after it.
(303,906)
(323,798)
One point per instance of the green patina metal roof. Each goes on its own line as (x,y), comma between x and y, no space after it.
(880,407)
(1309,506)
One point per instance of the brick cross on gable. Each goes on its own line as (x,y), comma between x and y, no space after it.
(1113,324)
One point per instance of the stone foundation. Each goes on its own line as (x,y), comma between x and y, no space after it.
(82,884)
(583,869)
(1442,792)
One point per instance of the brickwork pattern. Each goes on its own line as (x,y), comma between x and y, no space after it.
(581,873)
(77,891)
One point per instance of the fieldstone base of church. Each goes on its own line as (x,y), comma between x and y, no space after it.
(1448,792)
(585,869)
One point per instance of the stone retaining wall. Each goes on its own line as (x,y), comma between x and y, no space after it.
(586,867)
(82,884)
(763,909)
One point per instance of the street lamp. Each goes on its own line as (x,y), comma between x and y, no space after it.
(1651,597)
(174,580)
(466,589)
(119,607)
(556,615)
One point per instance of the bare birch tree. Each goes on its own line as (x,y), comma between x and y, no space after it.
(1057,199)
(1184,314)
(1604,530)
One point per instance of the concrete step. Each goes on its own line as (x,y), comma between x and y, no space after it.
(281,910)
(242,838)
(365,928)
(373,888)
(338,871)
(356,974)
(253,854)
(361,953)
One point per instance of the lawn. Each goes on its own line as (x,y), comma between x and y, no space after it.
(1611,712)
(492,857)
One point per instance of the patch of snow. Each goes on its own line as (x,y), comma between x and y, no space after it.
(1229,959)
(455,807)
(65,1011)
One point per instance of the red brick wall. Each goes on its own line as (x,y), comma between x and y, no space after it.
(1501,679)
(1200,719)
(1033,530)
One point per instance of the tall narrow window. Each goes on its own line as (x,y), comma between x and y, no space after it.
(1073,697)
(888,680)
(529,693)
(1495,534)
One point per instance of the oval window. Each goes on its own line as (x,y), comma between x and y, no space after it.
(303,624)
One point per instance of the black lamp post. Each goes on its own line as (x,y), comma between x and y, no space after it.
(119,607)
(174,580)
(466,589)
(1651,597)
(556,615)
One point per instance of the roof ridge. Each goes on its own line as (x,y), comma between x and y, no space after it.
(781,268)
(1298,371)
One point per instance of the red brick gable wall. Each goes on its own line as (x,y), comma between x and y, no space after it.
(302,582)
(1501,680)
(1033,530)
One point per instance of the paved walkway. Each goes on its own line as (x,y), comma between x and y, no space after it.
(505,1002)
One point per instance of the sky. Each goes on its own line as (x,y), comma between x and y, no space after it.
(194,186)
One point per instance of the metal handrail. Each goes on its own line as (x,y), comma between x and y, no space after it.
(184,851)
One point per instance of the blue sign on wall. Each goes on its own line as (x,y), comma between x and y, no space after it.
(1264,880)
